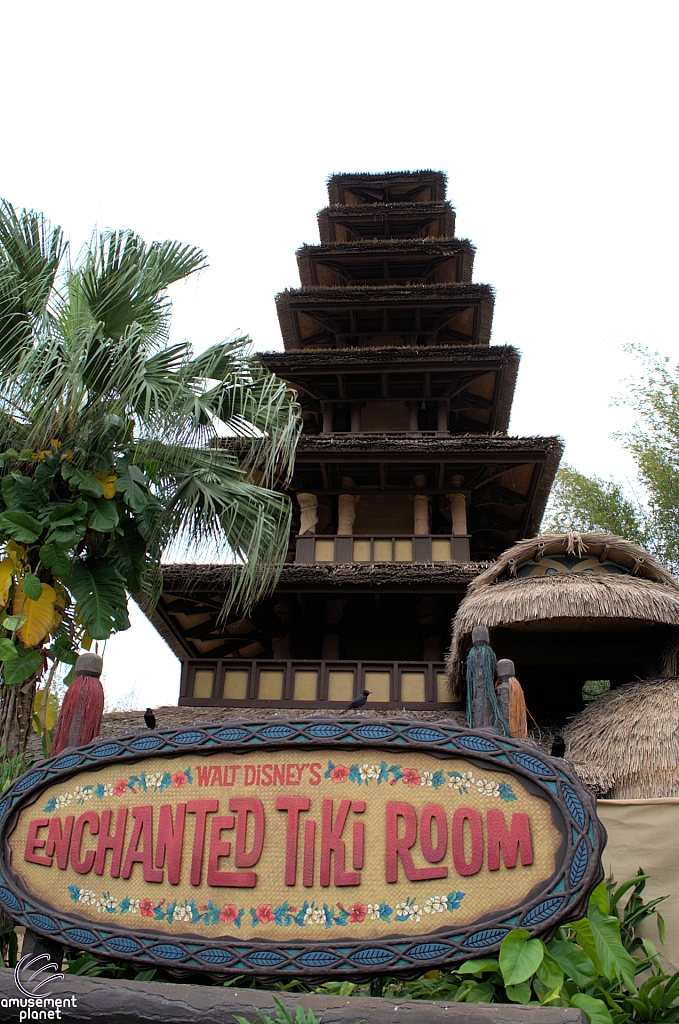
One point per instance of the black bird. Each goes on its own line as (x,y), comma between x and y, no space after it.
(358,702)
(558,746)
(150,718)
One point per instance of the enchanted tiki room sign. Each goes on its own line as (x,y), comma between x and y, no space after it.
(298,846)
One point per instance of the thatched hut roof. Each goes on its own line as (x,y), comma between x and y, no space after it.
(382,220)
(391,261)
(425,185)
(611,580)
(630,738)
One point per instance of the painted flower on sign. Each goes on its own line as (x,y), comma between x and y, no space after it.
(411,777)
(179,780)
(339,773)
(146,907)
(228,913)
(119,787)
(264,913)
(357,912)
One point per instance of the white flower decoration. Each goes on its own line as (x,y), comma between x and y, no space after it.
(87,896)
(107,902)
(314,915)
(83,793)
(369,771)
(108,789)
(488,788)
(373,911)
(435,904)
(153,780)
(426,778)
(133,907)
(64,799)
(415,912)
(181,912)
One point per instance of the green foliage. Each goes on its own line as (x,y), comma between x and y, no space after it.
(12,767)
(283,1016)
(583,503)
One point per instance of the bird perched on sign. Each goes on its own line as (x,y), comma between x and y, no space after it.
(358,702)
(558,746)
(150,718)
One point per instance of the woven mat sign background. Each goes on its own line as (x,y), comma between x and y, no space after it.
(301,844)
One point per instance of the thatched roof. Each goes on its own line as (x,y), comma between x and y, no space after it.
(644,592)
(448,314)
(465,444)
(363,187)
(406,220)
(629,738)
(418,260)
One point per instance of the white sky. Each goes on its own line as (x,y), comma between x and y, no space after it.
(217,124)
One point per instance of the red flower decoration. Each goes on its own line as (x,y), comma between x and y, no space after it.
(120,786)
(179,780)
(146,907)
(264,913)
(357,912)
(229,913)
(339,774)
(411,777)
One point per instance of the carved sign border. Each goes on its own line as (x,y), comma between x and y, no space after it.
(562,898)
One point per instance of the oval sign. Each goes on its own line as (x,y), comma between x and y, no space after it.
(304,845)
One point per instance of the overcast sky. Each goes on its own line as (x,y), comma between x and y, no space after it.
(218,123)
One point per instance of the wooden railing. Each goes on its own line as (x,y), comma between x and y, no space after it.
(397,548)
(314,684)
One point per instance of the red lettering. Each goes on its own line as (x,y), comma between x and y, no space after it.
(114,842)
(331,842)
(358,845)
(233,768)
(249,775)
(266,774)
(169,841)
(201,809)
(142,830)
(222,848)
(398,847)
(59,841)
(433,813)
(510,843)
(33,843)
(293,805)
(309,853)
(83,865)
(289,781)
(279,774)
(259,773)
(462,865)
(314,769)
(203,774)
(300,771)
(244,806)
(216,779)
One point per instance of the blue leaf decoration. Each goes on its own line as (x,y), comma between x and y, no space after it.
(146,742)
(27,781)
(573,804)
(542,911)
(215,956)
(277,732)
(374,732)
(578,865)
(476,743)
(231,734)
(372,956)
(486,937)
(68,762)
(317,958)
(9,899)
(81,935)
(421,735)
(265,958)
(188,737)
(533,764)
(324,731)
(429,950)
(3,808)
(123,944)
(108,750)
(43,922)
(167,951)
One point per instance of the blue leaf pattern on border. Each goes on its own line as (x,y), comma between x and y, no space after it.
(265,958)
(9,899)
(317,958)
(374,732)
(147,742)
(168,951)
(215,956)
(421,735)
(231,734)
(476,743)
(27,781)
(373,955)
(123,944)
(543,910)
(579,864)
(533,764)
(81,935)
(108,750)
(324,731)
(44,922)
(487,937)
(277,732)
(68,762)
(188,737)
(429,950)
(573,804)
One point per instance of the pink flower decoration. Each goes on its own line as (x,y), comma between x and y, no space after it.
(120,786)
(179,780)
(357,912)
(339,774)
(146,907)
(264,913)
(229,913)
(411,777)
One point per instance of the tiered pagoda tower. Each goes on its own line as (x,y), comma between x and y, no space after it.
(406,482)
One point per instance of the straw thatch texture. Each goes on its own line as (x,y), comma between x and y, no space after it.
(647,593)
(436,180)
(631,737)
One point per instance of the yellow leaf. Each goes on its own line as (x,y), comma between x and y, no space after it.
(107,481)
(15,551)
(51,710)
(41,615)
(6,577)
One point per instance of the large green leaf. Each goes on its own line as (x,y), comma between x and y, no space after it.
(129,556)
(133,485)
(105,517)
(599,897)
(8,651)
(478,966)
(520,956)
(32,586)
(21,526)
(519,993)
(99,591)
(573,961)
(551,975)
(26,664)
(595,1010)
(57,560)
(613,956)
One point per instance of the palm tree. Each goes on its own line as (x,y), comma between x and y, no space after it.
(111,447)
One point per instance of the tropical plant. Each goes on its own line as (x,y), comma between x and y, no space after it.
(112,448)
(283,1016)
